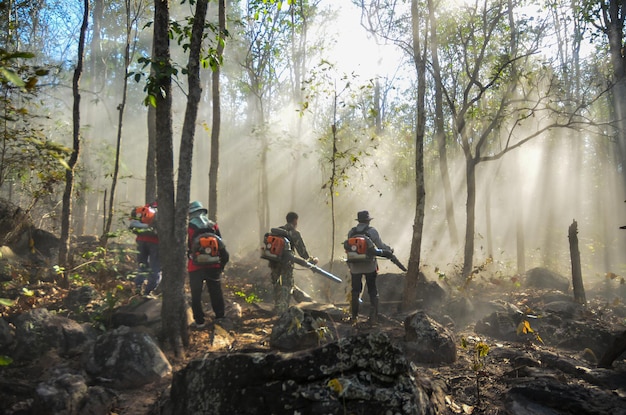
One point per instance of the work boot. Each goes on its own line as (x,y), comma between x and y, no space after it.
(373,319)
(354,307)
(300,296)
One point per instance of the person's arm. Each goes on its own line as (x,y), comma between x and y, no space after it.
(375,237)
(224,257)
(298,243)
(138,224)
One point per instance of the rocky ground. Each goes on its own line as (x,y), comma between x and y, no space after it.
(475,384)
(470,389)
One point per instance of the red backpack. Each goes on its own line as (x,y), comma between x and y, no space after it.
(144,214)
(276,245)
(359,248)
(205,248)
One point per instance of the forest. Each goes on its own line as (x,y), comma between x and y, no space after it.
(474,132)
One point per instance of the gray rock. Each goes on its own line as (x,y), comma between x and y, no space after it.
(141,311)
(543,278)
(80,297)
(363,374)
(427,341)
(500,325)
(38,331)
(69,394)
(123,358)
(298,329)
(547,396)
(565,309)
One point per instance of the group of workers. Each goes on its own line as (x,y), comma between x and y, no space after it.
(209,270)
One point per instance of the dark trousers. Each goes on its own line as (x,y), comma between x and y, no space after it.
(149,266)
(357,286)
(212,277)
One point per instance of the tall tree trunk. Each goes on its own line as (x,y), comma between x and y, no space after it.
(419,55)
(470,211)
(440,135)
(264,205)
(95,56)
(176,320)
(613,17)
(171,245)
(299,60)
(520,236)
(151,179)
(217,114)
(120,121)
(64,251)
(488,220)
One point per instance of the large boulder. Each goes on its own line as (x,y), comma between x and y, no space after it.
(78,298)
(69,394)
(546,382)
(123,358)
(140,311)
(298,329)
(543,278)
(361,374)
(38,331)
(427,341)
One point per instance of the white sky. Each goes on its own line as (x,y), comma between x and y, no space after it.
(355,50)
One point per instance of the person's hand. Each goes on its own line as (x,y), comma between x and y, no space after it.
(314,260)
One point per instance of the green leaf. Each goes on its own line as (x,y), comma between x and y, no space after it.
(5,360)
(6,302)
(151,100)
(64,163)
(12,77)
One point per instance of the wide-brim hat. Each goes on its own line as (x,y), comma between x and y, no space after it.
(196,206)
(363,216)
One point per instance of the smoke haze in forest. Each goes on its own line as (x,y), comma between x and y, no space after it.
(539,188)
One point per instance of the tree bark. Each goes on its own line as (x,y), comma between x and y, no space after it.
(419,55)
(171,244)
(440,136)
(66,213)
(470,218)
(217,114)
(151,180)
(120,122)
(577,276)
(94,70)
(613,18)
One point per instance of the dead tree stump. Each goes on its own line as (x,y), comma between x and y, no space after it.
(577,276)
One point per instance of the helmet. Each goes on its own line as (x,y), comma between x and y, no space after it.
(196,206)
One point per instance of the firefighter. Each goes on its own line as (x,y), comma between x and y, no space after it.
(367,268)
(282,271)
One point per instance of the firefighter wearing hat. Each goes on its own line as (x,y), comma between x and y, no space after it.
(367,268)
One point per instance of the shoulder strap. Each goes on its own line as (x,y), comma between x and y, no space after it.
(365,232)
(202,222)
